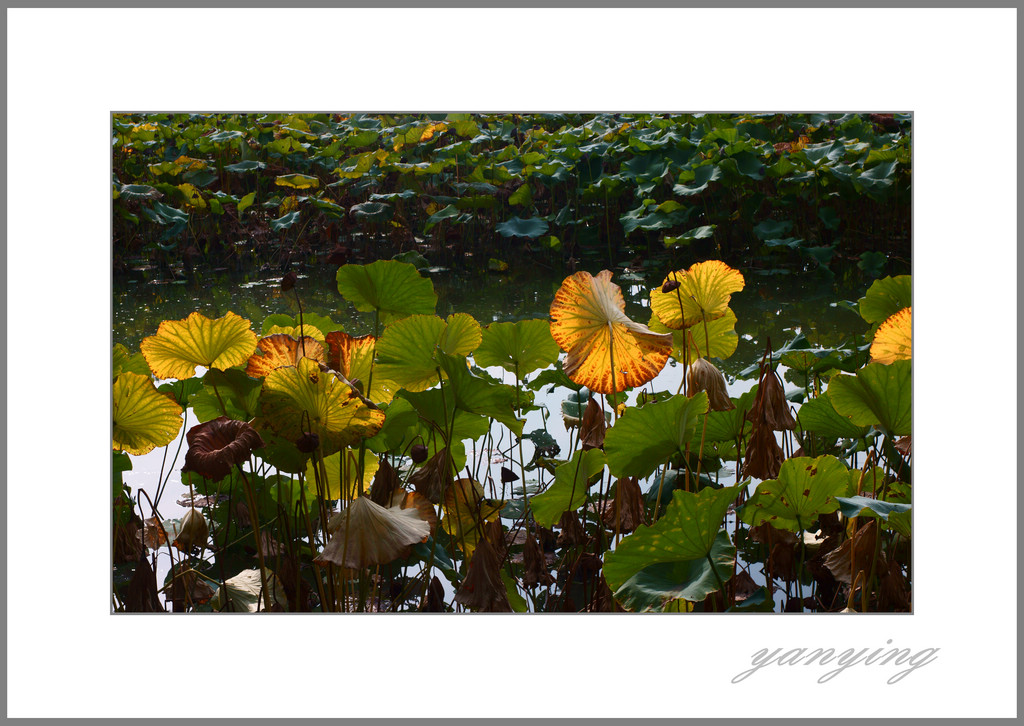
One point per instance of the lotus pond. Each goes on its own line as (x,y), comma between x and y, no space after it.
(416,411)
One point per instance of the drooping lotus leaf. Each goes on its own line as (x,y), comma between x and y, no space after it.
(804,489)
(181,345)
(305,399)
(243,592)
(520,347)
(858,505)
(275,351)
(680,581)
(892,341)
(718,341)
(144,418)
(643,438)
(343,482)
(216,446)
(569,490)
(353,358)
(687,531)
(394,289)
(466,511)
(366,534)
(588,321)
(308,331)
(406,352)
(819,416)
(885,298)
(703,294)
(879,395)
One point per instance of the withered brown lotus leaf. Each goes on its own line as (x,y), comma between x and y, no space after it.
(535,564)
(764,455)
(903,445)
(433,477)
(743,585)
(572,531)
(385,484)
(626,511)
(704,376)
(189,590)
(854,555)
(603,601)
(217,445)
(894,592)
(770,406)
(281,350)
(592,428)
(483,589)
(412,500)
(366,534)
(434,602)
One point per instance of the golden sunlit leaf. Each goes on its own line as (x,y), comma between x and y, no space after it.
(703,293)
(588,321)
(193,197)
(717,340)
(181,345)
(892,341)
(144,418)
(275,351)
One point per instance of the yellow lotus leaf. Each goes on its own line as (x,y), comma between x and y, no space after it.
(466,512)
(588,321)
(301,399)
(352,357)
(703,293)
(892,341)
(181,345)
(717,340)
(144,418)
(280,350)
(293,330)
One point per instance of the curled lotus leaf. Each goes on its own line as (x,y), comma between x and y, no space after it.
(589,322)
(144,418)
(352,356)
(703,293)
(893,340)
(181,345)
(365,534)
(278,350)
(305,398)
(216,446)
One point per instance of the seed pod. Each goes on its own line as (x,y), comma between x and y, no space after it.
(288,281)
(308,443)
(704,376)
(418,453)
(670,285)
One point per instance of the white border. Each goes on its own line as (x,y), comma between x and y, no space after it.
(955,69)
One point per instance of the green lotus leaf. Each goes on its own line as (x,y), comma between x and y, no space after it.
(856,506)
(285,221)
(228,393)
(476,395)
(406,352)
(302,398)
(805,488)
(569,490)
(879,395)
(181,345)
(518,227)
(125,362)
(885,298)
(687,531)
(521,347)
(372,211)
(393,289)
(654,586)
(819,416)
(399,417)
(688,237)
(718,341)
(643,438)
(730,425)
(297,181)
(144,418)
